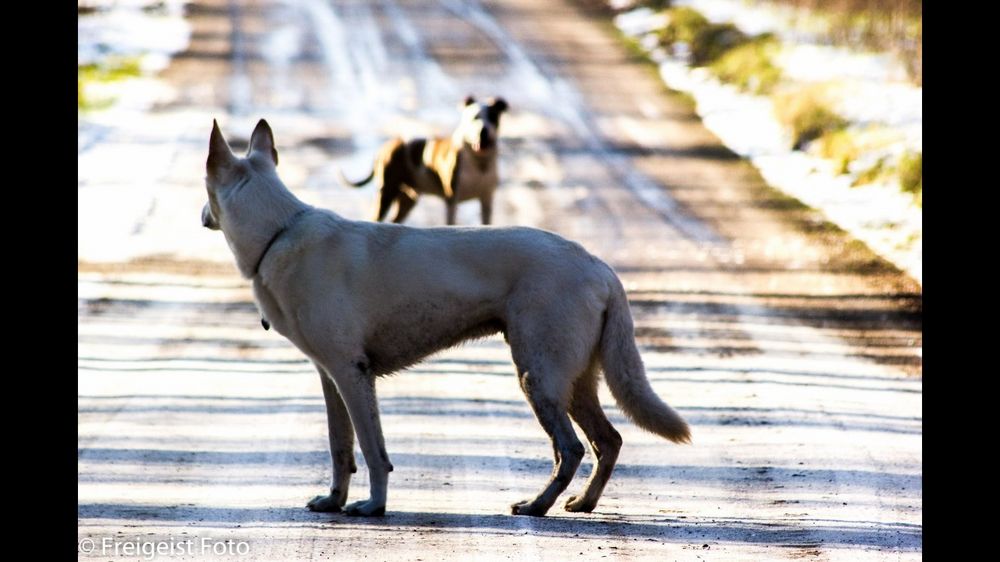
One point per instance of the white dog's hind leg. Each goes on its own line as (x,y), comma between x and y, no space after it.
(550,410)
(605,441)
(341,435)
(552,347)
(357,387)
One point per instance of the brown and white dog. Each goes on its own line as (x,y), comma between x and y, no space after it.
(458,168)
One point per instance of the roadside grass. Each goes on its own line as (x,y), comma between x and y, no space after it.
(904,169)
(807,114)
(683,26)
(714,41)
(868,155)
(110,70)
(881,169)
(841,146)
(750,66)
(911,175)
(730,54)
(655,5)
(852,147)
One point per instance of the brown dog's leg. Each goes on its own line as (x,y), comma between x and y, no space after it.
(407,199)
(386,195)
(486,208)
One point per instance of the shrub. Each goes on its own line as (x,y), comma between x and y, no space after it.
(750,66)
(108,70)
(873,173)
(807,116)
(656,5)
(911,173)
(706,41)
(839,146)
(683,25)
(713,40)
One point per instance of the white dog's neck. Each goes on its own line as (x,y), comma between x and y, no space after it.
(250,234)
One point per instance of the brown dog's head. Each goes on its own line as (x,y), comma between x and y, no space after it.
(480,124)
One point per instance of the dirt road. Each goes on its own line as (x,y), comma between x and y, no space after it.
(794,353)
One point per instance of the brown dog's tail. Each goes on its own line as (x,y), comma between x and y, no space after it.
(349,183)
(626,375)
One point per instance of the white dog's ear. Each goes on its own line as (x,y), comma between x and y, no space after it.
(220,157)
(469,100)
(262,140)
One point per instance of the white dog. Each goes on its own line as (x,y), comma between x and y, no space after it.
(364,299)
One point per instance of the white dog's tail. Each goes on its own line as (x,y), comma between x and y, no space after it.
(626,375)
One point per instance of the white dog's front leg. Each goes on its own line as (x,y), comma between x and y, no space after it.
(357,387)
(341,434)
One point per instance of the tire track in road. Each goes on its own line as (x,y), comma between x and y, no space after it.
(240,85)
(352,59)
(566,105)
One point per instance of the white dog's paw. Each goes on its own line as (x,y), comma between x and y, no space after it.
(577,504)
(365,508)
(328,504)
(533,508)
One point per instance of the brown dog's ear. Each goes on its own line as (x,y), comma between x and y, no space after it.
(262,140)
(498,105)
(495,108)
(220,157)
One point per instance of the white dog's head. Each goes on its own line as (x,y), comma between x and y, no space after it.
(226,173)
